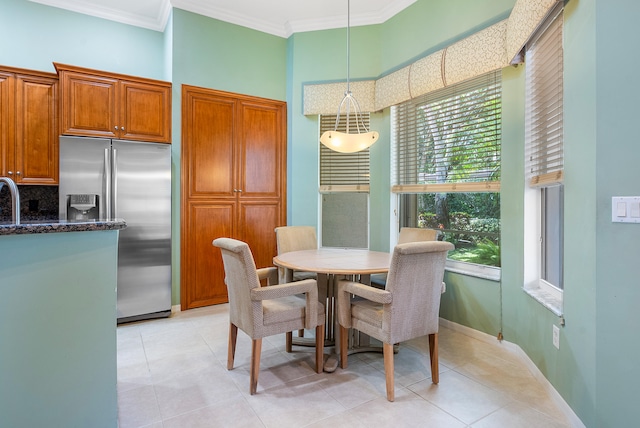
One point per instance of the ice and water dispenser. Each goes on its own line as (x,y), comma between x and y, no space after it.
(83,207)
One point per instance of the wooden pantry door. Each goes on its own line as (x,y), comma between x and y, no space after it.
(233,184)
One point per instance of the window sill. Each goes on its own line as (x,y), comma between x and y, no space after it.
(547,295)
(491,273)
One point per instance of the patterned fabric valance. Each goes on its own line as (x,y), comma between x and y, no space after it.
(525,18)
(325,98)
(490,49)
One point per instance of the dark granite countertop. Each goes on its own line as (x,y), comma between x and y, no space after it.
(55,226)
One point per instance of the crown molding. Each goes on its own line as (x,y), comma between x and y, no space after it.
(156,23)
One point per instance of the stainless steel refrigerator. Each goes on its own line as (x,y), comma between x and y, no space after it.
(107,179)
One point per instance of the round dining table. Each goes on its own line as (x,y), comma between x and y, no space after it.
(335,261)
(330,265)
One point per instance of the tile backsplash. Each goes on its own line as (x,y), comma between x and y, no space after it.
(36,203)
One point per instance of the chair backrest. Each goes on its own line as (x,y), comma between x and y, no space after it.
(415,280)
(415,234)
(240,276)
(296,238)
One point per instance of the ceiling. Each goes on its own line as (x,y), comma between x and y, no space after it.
(279,17)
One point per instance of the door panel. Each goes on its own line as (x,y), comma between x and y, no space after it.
(203,278)
(83,171)
(209,152)
(258,221)
(261,136)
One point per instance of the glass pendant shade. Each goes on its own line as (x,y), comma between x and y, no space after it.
(344,142)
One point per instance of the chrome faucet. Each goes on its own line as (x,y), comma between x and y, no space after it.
(15,198)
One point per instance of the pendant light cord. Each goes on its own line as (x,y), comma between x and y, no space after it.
(348,43)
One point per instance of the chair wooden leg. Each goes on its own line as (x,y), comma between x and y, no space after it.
(289,342)
(344,344)
(319,348)
(433,355)
(256,348)
(233,336)
(387,350)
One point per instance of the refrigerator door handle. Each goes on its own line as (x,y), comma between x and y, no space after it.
(114,180)
(107,184)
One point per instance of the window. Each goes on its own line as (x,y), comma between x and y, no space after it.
(545,165)
(447,167)
(344,189)
(343,172)
(551,232)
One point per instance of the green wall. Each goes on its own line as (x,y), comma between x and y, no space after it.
(428,26)
(34,36)
(472,302)
(595,369)
(58,329)
(218,55)
(616,158)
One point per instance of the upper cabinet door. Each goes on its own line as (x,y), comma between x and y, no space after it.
(89,105)
(145,113)
(29,126)
(109,105)
(36,129)
(7,121)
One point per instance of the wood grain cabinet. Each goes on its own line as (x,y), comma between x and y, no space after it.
(101,104)
(233,184)
(29,126)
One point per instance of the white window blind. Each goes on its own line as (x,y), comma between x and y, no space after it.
(343,172)
(449,140)
(544,108)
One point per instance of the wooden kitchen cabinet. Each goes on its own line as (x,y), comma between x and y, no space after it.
(101,104)
(233,185)
(29,126)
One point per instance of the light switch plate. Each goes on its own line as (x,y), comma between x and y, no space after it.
(625,209)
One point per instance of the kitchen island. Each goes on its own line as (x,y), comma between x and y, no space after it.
(58,324)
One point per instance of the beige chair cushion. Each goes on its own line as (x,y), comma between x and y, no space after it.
(286,309)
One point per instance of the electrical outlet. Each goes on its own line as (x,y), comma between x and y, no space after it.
(556,336)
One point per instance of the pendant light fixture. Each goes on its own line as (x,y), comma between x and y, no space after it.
(360,138)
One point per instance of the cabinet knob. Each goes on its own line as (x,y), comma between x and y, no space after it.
(10,172)
(122,128)
(18,173)
(115,127)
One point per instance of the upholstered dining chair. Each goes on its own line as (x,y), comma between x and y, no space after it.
(266,311)
(407,308)
(296,238)
(415,234)
(407,234)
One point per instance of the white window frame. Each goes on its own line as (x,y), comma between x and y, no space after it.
(549,295)
(352,172)
(492,273)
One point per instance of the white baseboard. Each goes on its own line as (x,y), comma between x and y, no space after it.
(518,352)
(175,309)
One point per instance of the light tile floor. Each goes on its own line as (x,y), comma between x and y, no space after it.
(172,373)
